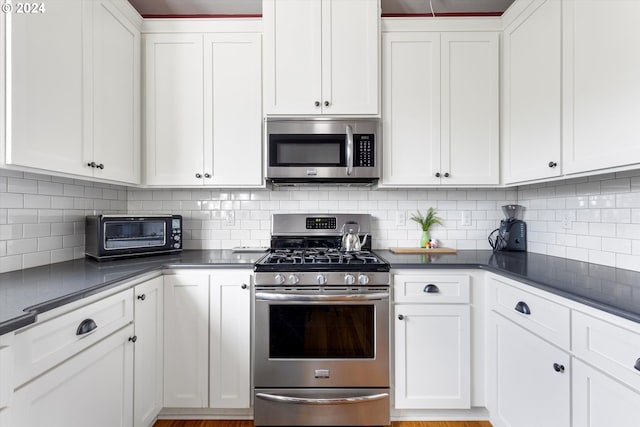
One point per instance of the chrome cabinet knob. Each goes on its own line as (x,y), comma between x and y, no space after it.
(198,175)
(438,175)
(553,164)
(207,175)
(317,103)
(349,279)
(327,103)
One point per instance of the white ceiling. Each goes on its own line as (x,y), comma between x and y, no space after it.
(242,7)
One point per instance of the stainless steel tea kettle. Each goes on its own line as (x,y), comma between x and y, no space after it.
(351,237)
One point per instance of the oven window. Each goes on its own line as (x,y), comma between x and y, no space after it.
(321,331)
(134,234)
(307,150)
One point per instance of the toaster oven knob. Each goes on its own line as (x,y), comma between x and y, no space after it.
(363,279)
(176,237)
(322,279)
(349,279)
(176,245)
(279,279)
(293,279)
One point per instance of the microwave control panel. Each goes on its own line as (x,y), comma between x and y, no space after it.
(364,150)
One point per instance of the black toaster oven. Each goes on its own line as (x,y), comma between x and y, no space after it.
(118,236)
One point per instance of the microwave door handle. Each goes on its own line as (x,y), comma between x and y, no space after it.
(349,150)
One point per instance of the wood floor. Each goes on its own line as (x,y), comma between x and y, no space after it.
(193,423)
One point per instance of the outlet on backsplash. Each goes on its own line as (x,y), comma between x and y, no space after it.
(401,219)
(566,222)
(229,218)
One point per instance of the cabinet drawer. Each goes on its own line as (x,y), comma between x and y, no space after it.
(431,288)
(541,316)
(44,345)
(612,348)
(6,365)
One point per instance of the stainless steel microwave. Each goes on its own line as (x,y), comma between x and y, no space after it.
(322,150)
(118,236)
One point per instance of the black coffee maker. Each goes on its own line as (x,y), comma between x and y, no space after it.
(512,234)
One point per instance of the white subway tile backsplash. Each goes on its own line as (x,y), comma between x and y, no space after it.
(11,200)
(36,259)
(20,185)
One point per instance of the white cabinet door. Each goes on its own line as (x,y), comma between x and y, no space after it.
(350,58)
(93,388)
(601,401)
(186,340)
(532,94)
(525,390)
(116,95)
(293,56)
(321,56)
(148,366)
(233,109)
(432,356)
(47,91)
(440,108)
(411,108)
(230,339)
(470,109)
(601,90)
(174,109)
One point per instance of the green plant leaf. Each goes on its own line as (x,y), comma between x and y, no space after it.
(427,220)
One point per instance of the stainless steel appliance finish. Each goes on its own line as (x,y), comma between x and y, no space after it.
(321,331)
(322,150)
(118,236)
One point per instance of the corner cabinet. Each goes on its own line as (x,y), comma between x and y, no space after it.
(148,361)
(203,109)
(321,57)
(601,90)
(82,115)
(532,104)
(440,108)
(432,341)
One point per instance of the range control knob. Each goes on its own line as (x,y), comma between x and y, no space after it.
(349,279)
(363,279)
(322,279)
(279,279)
(293,279)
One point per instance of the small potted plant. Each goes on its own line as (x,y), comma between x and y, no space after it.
(426,222)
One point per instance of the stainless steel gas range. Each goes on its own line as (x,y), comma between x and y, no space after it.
(321,326)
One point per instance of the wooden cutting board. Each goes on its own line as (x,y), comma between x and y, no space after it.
(422,251)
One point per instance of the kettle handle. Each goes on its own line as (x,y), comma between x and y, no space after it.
(350,223)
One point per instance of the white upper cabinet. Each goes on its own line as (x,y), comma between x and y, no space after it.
(441,108)
(82,115)
(203,109)
(174,109)
(601,89)
(532,94)
(321,57)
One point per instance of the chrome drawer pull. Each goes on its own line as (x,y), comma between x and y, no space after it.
(86,326)
(523,308)
(431,289)
(558,368)
(331,401)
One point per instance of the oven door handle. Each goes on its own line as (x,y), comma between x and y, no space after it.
(266,296)
(333,401)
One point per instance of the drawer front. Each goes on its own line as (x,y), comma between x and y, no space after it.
(541,316)
(431,288)
(6,370)
(611,348)
(44,345)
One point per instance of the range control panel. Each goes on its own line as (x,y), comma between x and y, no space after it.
(322,223)
(364,150)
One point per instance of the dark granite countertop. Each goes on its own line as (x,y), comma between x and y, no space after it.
(613,290)
(25,293)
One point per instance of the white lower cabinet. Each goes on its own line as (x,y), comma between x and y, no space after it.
(230,339)
(599,400)
(432,342)
(93,388)
(530,377)
(207,340)
(186,340)
(148,368)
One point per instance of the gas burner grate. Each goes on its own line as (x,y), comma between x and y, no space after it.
(321,256)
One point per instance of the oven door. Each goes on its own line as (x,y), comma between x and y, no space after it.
(321,340)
